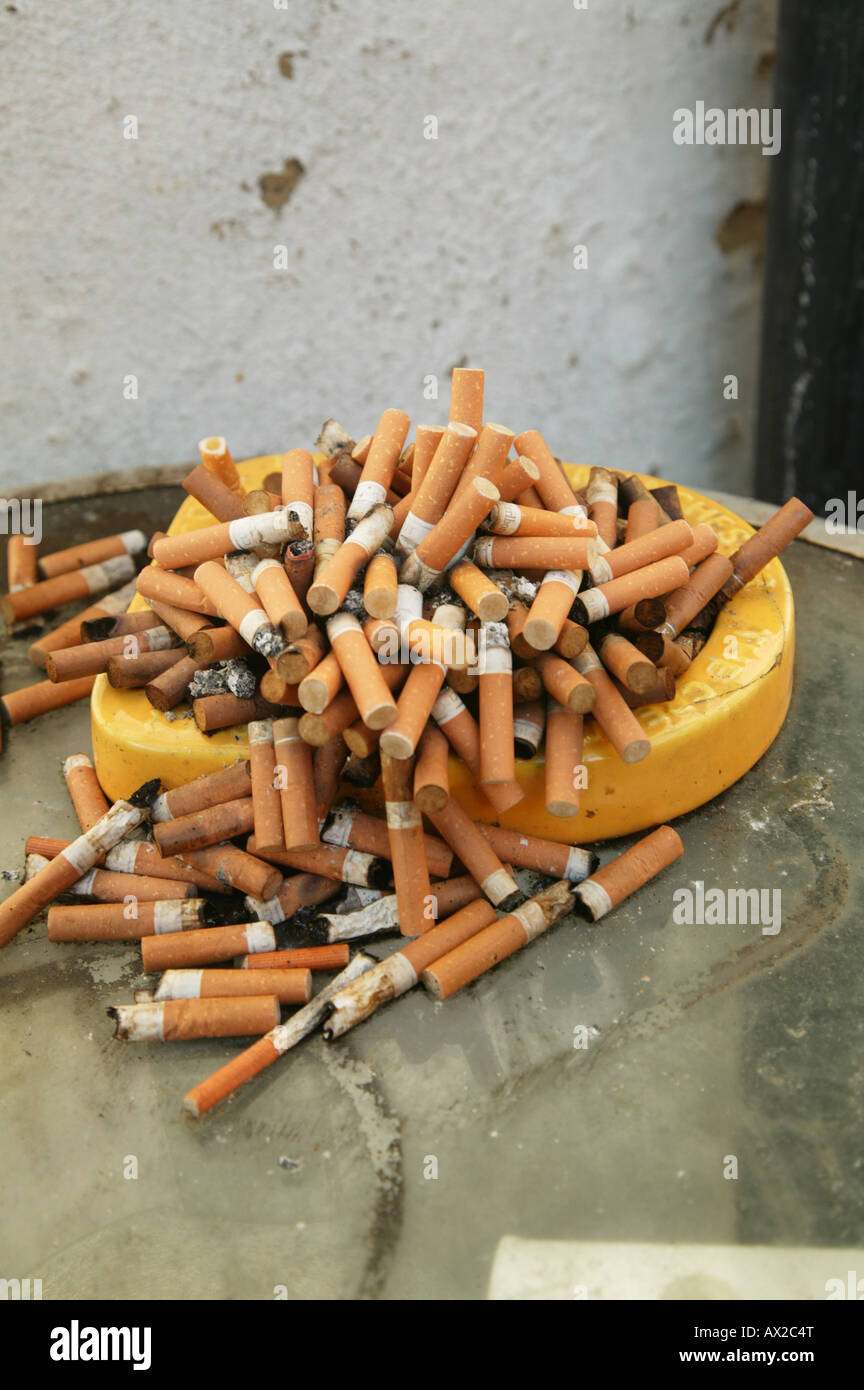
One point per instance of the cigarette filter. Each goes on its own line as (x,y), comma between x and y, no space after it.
(123,921)
(206,945)
(288,986)
(563,759)
(609,886)
(178,1020)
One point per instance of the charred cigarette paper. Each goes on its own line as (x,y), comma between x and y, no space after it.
(401,971)
(497,762)
(298,488)
(620,726)
(656,545)
(552,485)
(333,439)
(166,587)
(625,661)
(288,986)
(659,578)
(466,396)
(380,586)
(115,921)
(302,958)
(209,542)
(429,502)
(361,671)
(303,890)
(350,827)
(17,706)
(208,826)
(136,671)
(685,602)
(535,552)
(58,875)
(328,528)
(543,856)
(431,772)
(528,728)
(238,609)
(177,1020)
(332,583)
(51,593)
(550,608)
(278,1041)
(236,869)
(266,796)
(78,557)
(296,786)
(337,862)
(602,498)
(211,789)
(436,550)
(69,634)
(615,881)
(96,630)
(88,798)
(769,540)
(382,917)
(214,495)
(510,519)
(563,760)
(494,943)
(418,695)
(476,853)
(407,844)
(280,603)
(216,458)
(380,465)
(566,683)
(482,596)
(205,946)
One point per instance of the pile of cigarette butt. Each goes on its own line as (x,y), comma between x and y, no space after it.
(369,613)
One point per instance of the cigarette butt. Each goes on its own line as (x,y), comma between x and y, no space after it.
(495,707)
(380,586)
(265,1051)
(668,500)
(380,464)
(615,881)
(529,724)
(28,703)
(620,726)
(207,826)
(178,1020)
(453,718)
(550,608)
(211,789)
(769,540)
(482,596)
(671,655)
(361,670)
(288,986)
(705,542)
(466,396)
(108,886)
(125,921)
(542,856)
(236,869)
(78,557)
(21,560)
(333,439)
(431,772)
(298,487)
(335,578)
(627,663)
(516,619)
(370,834)
(563,760)
(566,683)
(571,639)
(476,853)
(515,478)
(436,550)
(327,764)
(427,439)
(346,474)
(618,594)
(407,844)
(296,786)
(302,656)
(61,873)
(96,630)
(362,742)
(237,608)
(301,958)
(88,798)
(299,561)
(360,452)
(206,945)
(169,687)
(69,634)
(646,614)
(137,857)
(419,693)
(430,500)
(662,688)
(494,943)
(552,485)
(643,515)
(328,528)
(212,644)
(656,545)
(334,720)
(266,796)
(463,682)
(165,587)
(511,519)
(333,861)
(683,604)
(186,625)
(536,552)
(134,672)
(214,496)
(303,890)
(216,458)
(51,593)
(487,461)
(279,600)
(601,495)
(213,712)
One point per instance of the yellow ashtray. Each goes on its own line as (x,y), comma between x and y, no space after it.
(729,707)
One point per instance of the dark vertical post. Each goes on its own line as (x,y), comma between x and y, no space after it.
(810,438)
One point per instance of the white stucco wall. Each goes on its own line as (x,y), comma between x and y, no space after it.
(154,256)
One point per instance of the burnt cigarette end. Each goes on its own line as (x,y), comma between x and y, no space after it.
(146,794)
(514,900)
(221,912)
(380,874)
(120,1033)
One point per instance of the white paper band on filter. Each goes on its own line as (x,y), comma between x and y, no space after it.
(159,639)
(414,530)
(587,660)
(601,571)
(74,761)
(367,895)
(526,732)
(447,706)
(260,937)
(123,858)
(260,730)
(387,980)
(579,864)
(339,830)
(367,494)
(380,916)
(340,623)
(167,917)
(575,510)
(533,919)
(179,984)
(572,578)
(139,1022)
(254,620)
(159,810)
(498,886)
(409,606)
(483,552)
(118,820)
(356,867)
(372,530)
(286,1035)
(595,898)
(133,541)
(506,518)
(494,661)
(596,605)
(83,886)
(120,600)
(269,910)
(102,576)
(402,815)
(601,489)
